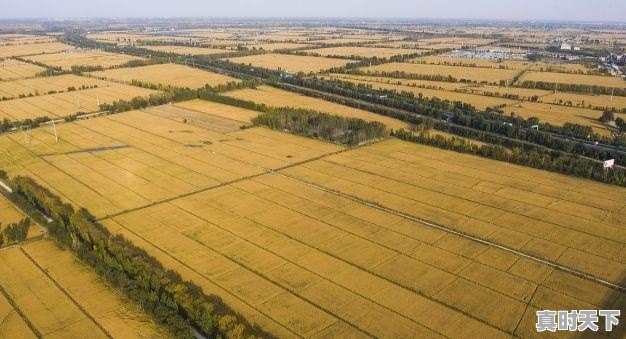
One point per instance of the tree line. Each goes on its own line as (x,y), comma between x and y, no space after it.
(333,128)
(179,305)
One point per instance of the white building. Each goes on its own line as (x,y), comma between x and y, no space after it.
(566,46)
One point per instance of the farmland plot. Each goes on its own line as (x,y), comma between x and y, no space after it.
(167,75)
(33,49)
(63,104)
(551,216)
(83,58)
(307,259)
(186,50)
(9,214)
(280,98)
(44,85)
(582,79)
(290,63)
(132,159)
(11,69)
(459,72)
(363,52)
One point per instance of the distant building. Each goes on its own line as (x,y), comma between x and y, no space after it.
(577,48)
(566,47)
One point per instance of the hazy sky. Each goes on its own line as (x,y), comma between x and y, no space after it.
(581,10)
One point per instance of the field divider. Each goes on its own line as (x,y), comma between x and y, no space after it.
(461,234)
(66,293)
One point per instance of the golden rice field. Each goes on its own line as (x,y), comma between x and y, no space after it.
(167,75)
(20,39)
(458,72)
(290,63)
(558,115)
(224,111)
(83,58)
(559,68)
(582,79)
(444,60)
(32,49)
(456,40)
(43,85)
(11,69)
(280,98)
(276,46)
(213,116)
(132,159)
(186,50)
(53,295)
(583,100)
(362,52)
(303,261)
(63,104)
(479,101)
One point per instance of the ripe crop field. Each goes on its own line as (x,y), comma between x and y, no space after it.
(66,103)
(444,60)
(83,58)
(32,49)
(240,115)
(22,39)
(470,73)
(364,52)
(280,98)
(216,117)
(583,100)
(167,74)
(43,85)
(185,50)
(304,261)
(479,101)
(559,68)
(277,46)
(11,69)
(558,115)
(551,216)
(582,79)
(290,63)
(59,297)
(124,161)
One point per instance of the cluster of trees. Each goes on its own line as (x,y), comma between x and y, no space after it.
(333,128)
(545,159)
(578,88)
(9,125)
(14,232)
(179,305)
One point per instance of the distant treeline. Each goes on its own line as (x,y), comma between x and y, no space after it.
(578,88)
(179,305)
(544,159)
(333,128)
(14,232)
